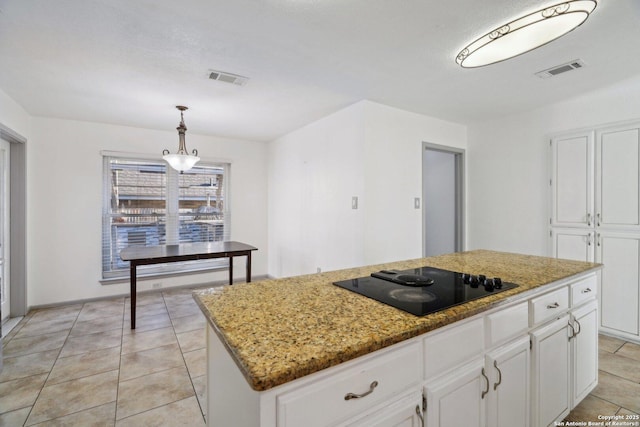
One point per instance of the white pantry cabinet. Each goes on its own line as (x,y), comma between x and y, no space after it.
(620,287)
(572,180)
(573,243)
(595,215)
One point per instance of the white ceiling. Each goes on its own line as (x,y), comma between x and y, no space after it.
(130,62)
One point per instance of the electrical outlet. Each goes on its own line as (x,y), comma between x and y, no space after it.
(319,270)
(156,285)
(354,202)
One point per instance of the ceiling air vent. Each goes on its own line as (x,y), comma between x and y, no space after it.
(228,77)
(559,69)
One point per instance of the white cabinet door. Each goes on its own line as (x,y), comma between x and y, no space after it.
(458,399)
(618,174)
(550,372)
(508,369)
(573,243)
(584,350)
(619,252)
(405,412)
(572,180)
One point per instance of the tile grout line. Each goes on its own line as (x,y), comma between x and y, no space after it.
(195,392)
(44,384)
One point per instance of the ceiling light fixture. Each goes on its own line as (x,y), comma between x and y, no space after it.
(526,33)
(182,160)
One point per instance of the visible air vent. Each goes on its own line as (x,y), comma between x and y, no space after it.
(221,76)
(559,69)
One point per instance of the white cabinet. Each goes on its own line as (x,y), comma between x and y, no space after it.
(404,412)
(550,372)
(479,372)
(493,391)
(354,391)
(572,180)
(584,350)
(573,243)
(620,286)
(508,369)
(595,215)
(458,399)
(618,173)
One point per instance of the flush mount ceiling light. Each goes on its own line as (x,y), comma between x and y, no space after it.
(182,160)
(526,33)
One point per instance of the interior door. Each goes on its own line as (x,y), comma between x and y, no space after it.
(5,297)
(442,178)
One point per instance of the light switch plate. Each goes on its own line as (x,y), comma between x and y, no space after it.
(416,203)
(354,202)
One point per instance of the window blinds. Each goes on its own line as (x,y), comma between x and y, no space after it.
(147,203)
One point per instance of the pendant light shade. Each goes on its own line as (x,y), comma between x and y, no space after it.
(182,160)
(526,33)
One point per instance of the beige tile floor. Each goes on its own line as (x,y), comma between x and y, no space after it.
(81,364)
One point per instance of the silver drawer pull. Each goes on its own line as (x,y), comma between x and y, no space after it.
(586,291)
(554,305)
(350,396)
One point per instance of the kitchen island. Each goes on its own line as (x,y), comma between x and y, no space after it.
(289,352)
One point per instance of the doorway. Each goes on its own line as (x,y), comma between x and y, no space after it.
(13,242)
(443,199)
(5,247)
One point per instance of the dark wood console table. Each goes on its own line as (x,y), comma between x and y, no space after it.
(146,255)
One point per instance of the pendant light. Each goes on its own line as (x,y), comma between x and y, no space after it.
(182,160)
(526,33)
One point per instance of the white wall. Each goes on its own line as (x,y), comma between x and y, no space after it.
(393,177)
(13,116)
(313,174)
(64,198)
(366,150)
(508,166)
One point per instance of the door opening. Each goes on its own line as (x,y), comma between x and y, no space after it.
(443,199)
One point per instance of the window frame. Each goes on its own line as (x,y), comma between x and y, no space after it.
(171,215)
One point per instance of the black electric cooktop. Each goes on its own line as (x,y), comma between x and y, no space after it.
(425,290)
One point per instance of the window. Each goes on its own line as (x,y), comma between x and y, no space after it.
(147,203)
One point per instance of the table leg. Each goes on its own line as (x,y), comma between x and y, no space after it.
(249,267)
(133,295)
(231,270)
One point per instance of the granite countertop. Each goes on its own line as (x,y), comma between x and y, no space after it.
(282,329)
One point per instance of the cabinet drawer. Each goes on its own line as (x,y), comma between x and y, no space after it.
(507,323)
(324,402)
(452,347)
(548,306)
(583,290)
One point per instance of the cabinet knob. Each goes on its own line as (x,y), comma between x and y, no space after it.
(350,396)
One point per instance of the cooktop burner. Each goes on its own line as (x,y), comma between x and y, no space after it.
(425,290)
